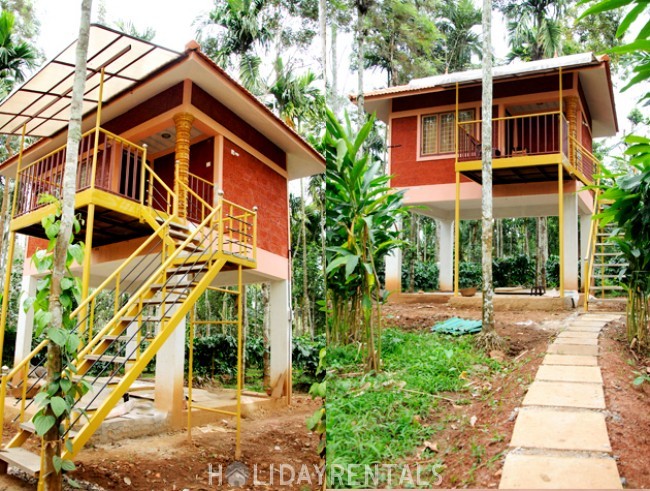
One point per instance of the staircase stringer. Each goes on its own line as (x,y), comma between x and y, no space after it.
(129,377)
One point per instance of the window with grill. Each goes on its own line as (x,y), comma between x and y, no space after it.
(439,131)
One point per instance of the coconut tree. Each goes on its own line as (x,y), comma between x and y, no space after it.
(457,21)
(15,56)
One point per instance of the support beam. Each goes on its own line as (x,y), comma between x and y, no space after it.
(280,336)
(560,200)
(585,226)
(25,327)
(446,253)
(393,263)
(183,123)
(170,369)
(571,249)
(457,235)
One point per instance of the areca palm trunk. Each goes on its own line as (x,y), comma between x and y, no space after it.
(52,479)
(486,175)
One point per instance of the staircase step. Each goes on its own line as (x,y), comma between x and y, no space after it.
(109,358)
(613,265)
(144,318)
(173,224)
(116,338)
(172,287)
(606,287)
(187,268)
(601,276)
(596,254)
(23,459)
(29,427)
(171,300)
(182,236)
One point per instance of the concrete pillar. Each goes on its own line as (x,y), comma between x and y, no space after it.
(446,254)
(25,327)
(571,250)
(393,270)
(280,306)
(170,371)
(183,123)
(585,227)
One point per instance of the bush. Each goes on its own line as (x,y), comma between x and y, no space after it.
(470,274)
(425,276)
(553,271)
(513,271)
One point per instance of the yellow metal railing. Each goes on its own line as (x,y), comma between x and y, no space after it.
(514,136)
(106,161)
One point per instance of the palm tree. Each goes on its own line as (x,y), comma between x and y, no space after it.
(15,57)
(242,25)
(488,337)
(52,476)
(457,20)
(535,28)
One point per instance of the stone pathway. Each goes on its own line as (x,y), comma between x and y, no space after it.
(560,438)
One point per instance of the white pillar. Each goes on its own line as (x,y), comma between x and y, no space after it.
(25,327)
(571,249)
(585,227)
(393,270)
(170,370)
(446,255)
(279,303)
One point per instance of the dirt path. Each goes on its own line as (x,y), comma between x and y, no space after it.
(278,442)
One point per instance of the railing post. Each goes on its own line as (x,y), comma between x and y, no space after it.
(220,213)
(142,173)
(93,172)
(254,233)
(3,395)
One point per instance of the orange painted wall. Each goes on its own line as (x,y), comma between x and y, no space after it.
(249,182)
(34,244)
(405,168)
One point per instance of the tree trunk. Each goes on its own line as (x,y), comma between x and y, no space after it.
(52,440)
(322,22)
(486,149)
(266,337)
(306,310)
(334,94)
(4,220)
(360,60)
(542,250)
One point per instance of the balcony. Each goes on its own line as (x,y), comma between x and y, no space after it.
(112,174)
(527,148)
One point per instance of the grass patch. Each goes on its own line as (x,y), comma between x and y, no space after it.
(381,418)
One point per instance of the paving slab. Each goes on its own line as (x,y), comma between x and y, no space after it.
(572,349)
(576,328)
(565,394)
(569,373)
(546,472)
(579,334)
(599,324)
(552,359)
(585,341)
(601,316)
(561,430)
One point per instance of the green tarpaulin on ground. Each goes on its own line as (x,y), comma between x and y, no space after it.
(457,326)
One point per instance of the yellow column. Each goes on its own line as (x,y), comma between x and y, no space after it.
(85,275)
(572,118)
(183,123)
(457,235)
(560,194)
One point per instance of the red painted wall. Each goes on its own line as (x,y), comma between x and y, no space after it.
(224,116)
(405,168)
(249,182)
(34,244)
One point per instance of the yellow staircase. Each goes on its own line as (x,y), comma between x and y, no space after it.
(188,258)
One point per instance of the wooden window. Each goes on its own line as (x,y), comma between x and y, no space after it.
(438,131)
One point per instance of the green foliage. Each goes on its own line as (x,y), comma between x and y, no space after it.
(216,354)
(630,191)
(460,42)
(58,396)
(375,418)
(513,271)
(361,219)
(469,275)
(16,57)
(425,276)
(317,422)
(400,38)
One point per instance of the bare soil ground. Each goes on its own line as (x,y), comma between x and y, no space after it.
(628,421)
(170,462)
(472,454)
